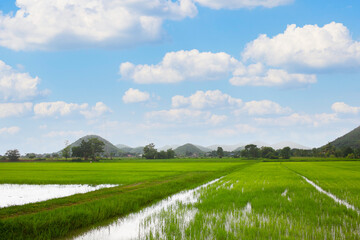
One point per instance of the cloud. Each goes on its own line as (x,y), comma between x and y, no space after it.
(196,66)
(258,75)
(14,109)
(183,115)
(47,109)
(135,96)
(311,47)
(54,134)
(181,66)
(296,119)
(262,107)
(96,111)
(235,4)
(201,99)
(60,24)
(341,107)
(235,130)
(9,130)
(17,86)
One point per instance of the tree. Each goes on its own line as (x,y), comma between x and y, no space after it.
(170,153)
(251,151)
(96,147)
(30,155)
(77,152)
(268,152)
(220,152)
(13,155)
(285,152)
(149,151)
(90,148)
(66,152)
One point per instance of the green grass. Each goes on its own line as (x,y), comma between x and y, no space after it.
(283,206)
(144,184)
(339,178)
(126,172)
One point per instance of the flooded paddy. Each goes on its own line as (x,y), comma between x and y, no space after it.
(19,194)
(141,224)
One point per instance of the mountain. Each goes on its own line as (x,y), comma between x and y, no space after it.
(227,148)
(166,147)
(108,148)
(120,146)
(126,149)
(292,145)
(188,150)
(204,149)
(351,139)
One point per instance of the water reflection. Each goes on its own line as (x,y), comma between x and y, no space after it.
(19,194)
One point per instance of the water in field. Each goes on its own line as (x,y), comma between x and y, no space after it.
(19,194)
(139,225)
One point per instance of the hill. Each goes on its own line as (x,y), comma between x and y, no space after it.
(204,149)
(127,149)
(351,139)
(228,148)
(188,150)
(292,145)
(108,148)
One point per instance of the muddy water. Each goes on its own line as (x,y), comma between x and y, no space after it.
(19,194)
(132,226)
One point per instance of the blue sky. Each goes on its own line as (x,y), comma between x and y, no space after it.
(172,72)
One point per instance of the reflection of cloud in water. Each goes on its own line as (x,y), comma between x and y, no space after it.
(19,194)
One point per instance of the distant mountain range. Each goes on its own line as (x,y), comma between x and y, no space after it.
(197,150)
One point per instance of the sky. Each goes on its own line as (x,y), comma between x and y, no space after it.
(171,72)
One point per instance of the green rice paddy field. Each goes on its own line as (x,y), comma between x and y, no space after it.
(252,200)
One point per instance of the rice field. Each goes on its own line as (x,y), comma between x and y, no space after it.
(264,201)
(247,200)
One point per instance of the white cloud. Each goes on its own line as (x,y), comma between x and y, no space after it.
(296,119)
(262,107)
(60,24)
(235,4)
(311,46)
(54,134)
(195,66)
(341,107)
(46,109)
(135,96)
(235,130)
(181,66)
(183,115)
(9,130)
(14,109)
(96,111)
(258,75)
(16,86)
(202,99)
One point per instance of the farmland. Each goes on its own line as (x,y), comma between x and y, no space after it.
(251,200)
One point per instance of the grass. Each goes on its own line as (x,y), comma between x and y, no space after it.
(262,201)
(255,200)
(144,183)
(339,178)
(126,172)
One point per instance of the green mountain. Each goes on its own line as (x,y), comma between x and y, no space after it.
(108,148)
(127,149)
(188,150)
(351,139)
